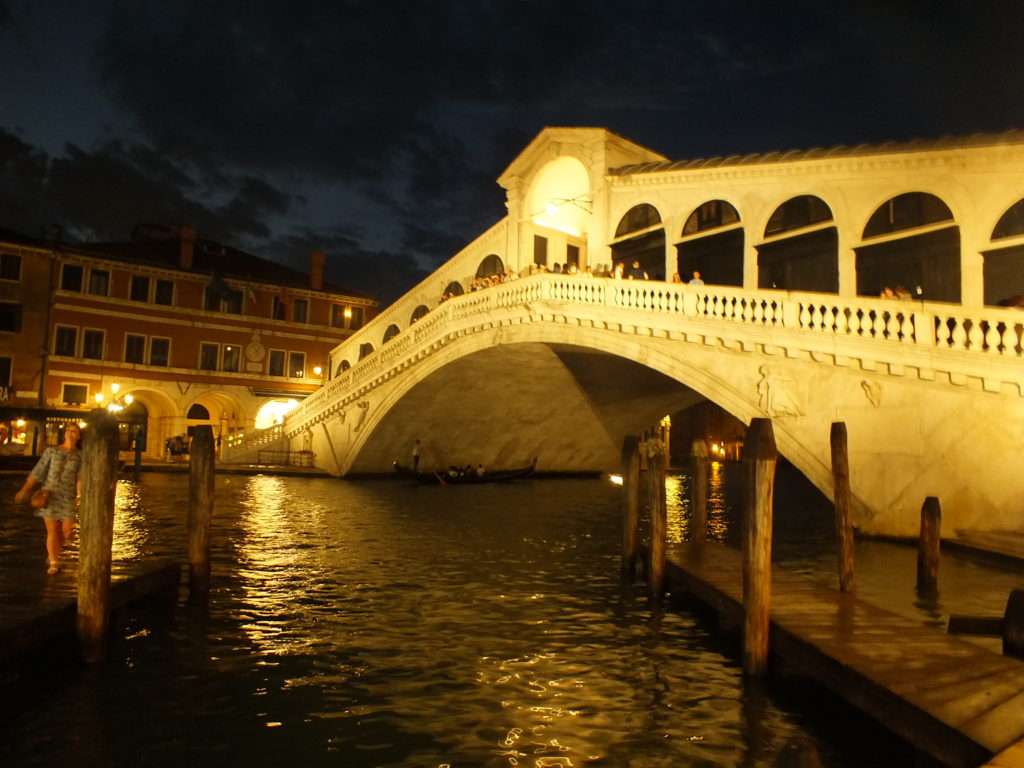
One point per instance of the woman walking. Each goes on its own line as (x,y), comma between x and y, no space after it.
(56,501)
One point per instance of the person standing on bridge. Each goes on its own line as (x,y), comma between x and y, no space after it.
(696,279)
(56,501)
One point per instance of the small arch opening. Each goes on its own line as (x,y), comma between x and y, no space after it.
(390,333)
(419,313)
(490,265)
(365,349)
(713,255)
(803,261)
(643,254)
(343,366)
(1003,266)
(197,411)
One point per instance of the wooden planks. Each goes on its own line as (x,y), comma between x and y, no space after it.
(959,702)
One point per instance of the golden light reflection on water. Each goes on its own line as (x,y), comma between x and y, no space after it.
(129,522)
(677,504)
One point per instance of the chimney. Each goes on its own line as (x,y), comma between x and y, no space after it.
(316,270)
(187,243)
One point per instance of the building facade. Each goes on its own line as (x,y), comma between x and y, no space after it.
(168,330)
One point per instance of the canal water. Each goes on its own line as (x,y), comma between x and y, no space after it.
(377,624)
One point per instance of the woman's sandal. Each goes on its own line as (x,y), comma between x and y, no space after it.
(54,567)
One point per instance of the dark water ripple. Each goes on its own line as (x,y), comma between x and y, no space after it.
(380,625)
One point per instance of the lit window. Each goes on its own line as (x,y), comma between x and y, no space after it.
(297,365)
(232,357)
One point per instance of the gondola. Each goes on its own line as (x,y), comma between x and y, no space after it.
(468,478)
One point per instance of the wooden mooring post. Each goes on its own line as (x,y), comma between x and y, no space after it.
(699,491)
(200,509)
(656,461)
(759,456)
(630,505)
(841,493)
(98,475)
(928,545)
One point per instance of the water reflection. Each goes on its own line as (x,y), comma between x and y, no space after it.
(129,522)
(721,517)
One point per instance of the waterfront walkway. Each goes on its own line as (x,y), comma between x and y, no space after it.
(954,700)
(39,611)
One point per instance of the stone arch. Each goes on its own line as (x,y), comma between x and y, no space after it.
(800,249)
(490,265)
(198,411)
(558,195)
(916,249)
(646,246)
(1002,264)
(162,416)
(343,365)
(365,350)
(713,241)
(419,313)
(454,288)
(390,332)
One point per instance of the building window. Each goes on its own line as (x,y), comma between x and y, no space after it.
(540,250)
(92,344)
(355,317)
(232,357)
(10,266)
(71,278)
(297,364)
(208,354)
(99,282)
(337,316)
(232,302)
(275,363)
(65,341)
(10,316)
(164,293)
(159,352)
(5,378)
(277,309)
(74,394)
(134,348)
(300,311)
(572,255)
(139,290)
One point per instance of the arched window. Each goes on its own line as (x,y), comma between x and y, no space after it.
(803,261)
(392,331)
(907,211)
(638,217)
(366,348)
(342,367)
(717,255)
(454,288)
(492,265)
(197,411)
(711,215)
(925,265)
(419,313)
(1004,265)
(647,248)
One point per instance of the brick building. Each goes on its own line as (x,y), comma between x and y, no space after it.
(169,330)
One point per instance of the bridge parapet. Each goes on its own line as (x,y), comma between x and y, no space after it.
(930,341)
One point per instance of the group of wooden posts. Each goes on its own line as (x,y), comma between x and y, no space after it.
(99,471)
(759,457)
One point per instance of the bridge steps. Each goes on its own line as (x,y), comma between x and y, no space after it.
(954,700)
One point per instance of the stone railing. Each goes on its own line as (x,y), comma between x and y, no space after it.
(960,341)
(241,445)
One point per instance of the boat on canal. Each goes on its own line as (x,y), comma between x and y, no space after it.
(467,476)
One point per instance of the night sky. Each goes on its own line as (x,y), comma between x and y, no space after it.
(375,130)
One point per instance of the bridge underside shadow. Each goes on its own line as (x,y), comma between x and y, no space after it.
(567,406)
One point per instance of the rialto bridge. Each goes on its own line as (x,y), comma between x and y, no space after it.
(794,250)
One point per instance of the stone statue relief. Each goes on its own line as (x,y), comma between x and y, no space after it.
(776,394)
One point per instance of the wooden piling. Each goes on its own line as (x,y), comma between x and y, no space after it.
(699,491)
(98,476)
(928,545)
(759,456)
(630,505)
(1013,625)
(200,508)
(656,461)
(841,492)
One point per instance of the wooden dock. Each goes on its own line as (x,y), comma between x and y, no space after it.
(41,610)
(954,700)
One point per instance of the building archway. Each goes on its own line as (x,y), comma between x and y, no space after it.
(365,349)
(917,248)
(155,414)
(419,313)
(342,367)
(390,333)
(800,251)
(490,265)
(712,244)
(198,411)
(640,237)
(454,288)
(273,412)
(1004,263)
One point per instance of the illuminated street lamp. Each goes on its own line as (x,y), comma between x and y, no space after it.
(317,370)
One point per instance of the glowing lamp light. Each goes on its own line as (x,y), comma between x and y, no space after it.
(347,313)
(317,370)
(19,423)
(551,208)
(98,397)
(81,425)
(616,479)
(128,399)
(115,387)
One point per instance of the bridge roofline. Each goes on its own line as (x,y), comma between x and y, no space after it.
(972,141)
(525,160)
